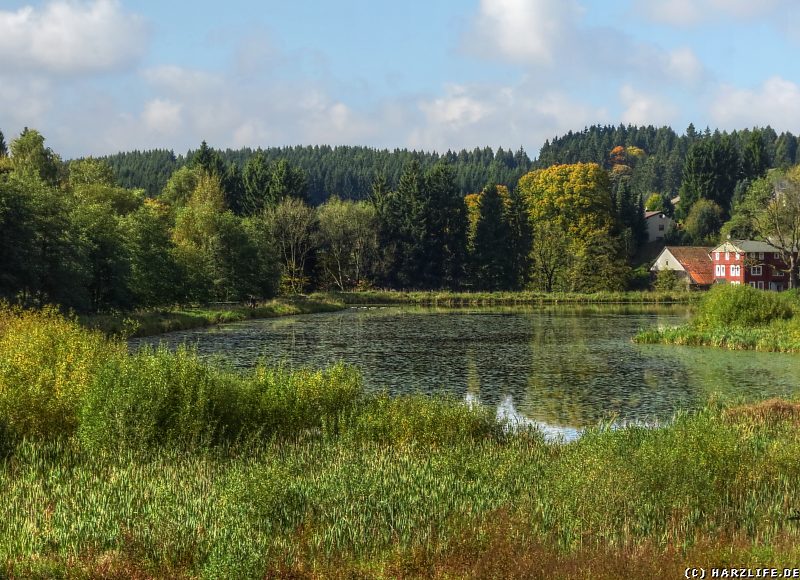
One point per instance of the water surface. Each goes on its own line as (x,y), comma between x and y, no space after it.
(563,368)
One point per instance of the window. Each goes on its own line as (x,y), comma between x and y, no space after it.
(752,284)
(736,270)
(727,256)
(761,255)
(737,256)
(755,270)
(778,273)
(761,285)
(716,255)
(735,283)
(719,270)
(660,227)
(777,255)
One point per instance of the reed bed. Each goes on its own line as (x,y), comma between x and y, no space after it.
(160,465)
(152,322)
(445,298)
(737,318)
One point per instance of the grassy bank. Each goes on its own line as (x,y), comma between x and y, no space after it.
(737,318)
(148,323)
(159,465)
(444,298)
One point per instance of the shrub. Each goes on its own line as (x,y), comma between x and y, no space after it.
(46,364)
(727,305)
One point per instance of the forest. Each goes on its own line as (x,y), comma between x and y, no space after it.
(148,229)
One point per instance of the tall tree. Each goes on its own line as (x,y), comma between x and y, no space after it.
(779,222)
(30,157)
(348,241)
(755,159)
(445,241)
(257,177)
(492,249)
(293,226)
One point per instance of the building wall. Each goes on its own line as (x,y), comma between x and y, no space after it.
(658,226)
(760,270)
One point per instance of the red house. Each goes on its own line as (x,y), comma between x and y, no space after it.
(758,264)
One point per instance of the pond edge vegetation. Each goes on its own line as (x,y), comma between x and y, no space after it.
(737,318)
(158,464)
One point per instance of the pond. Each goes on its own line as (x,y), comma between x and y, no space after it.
(562,368)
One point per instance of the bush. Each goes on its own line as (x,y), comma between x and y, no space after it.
(47,363)
(727,305)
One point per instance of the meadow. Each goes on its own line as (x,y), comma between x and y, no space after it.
(737,318)
(158,464)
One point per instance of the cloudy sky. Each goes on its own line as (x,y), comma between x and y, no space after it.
(99,76)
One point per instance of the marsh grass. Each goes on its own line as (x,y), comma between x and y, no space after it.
(737,318)
(152,322)
(445,298)
(169,466)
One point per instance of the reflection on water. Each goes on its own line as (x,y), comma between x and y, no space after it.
(563,368)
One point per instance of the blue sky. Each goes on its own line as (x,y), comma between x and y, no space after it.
(99,76)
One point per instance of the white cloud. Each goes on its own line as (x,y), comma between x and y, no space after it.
(776,102)
(508,116)
(551,37)
(67,37)
(455,109)
(182,81)
(693,12)
(525,30)
(683,64)
(645,109)
(162,116)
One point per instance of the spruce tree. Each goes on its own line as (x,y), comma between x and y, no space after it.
(492,261)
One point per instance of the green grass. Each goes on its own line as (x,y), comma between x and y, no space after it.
(445,298)
(156,464)
(152,322)
(737,318)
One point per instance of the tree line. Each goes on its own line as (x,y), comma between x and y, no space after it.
(74,234)
(345,171)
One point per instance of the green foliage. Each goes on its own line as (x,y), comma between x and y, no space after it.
(492,250)
(669,281)
(47,364)
(710,173)
(728,305)
(33,160)
(704,222)
(348,242)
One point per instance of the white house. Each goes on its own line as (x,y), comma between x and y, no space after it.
(658,225)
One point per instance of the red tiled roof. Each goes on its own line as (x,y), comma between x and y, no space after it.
(696,261)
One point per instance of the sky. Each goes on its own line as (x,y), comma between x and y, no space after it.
(100,76)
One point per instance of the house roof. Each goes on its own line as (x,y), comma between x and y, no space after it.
(696,260)
(649,214)
(745,246)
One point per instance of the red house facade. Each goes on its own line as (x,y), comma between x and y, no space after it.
(758,264)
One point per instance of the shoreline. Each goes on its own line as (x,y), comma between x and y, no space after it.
(155,322)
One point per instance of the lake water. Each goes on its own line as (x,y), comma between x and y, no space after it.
(563,368)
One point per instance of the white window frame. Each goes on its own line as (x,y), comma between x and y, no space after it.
(776,255)
(716,256)
(737,256)
(761,255)
(756,271)
(736,270)
(727,256)
(752,284)
(778,273)
(719,270)
(760,284)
